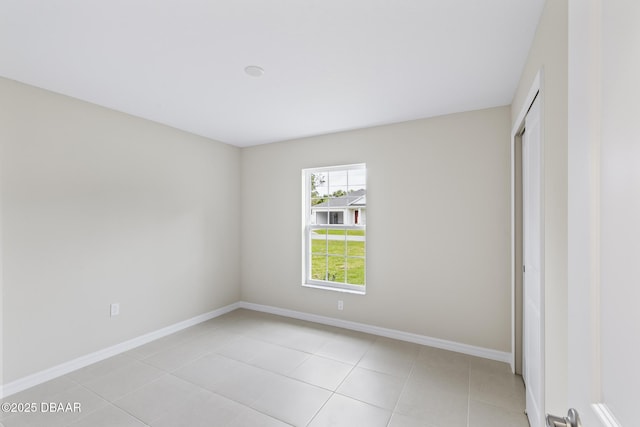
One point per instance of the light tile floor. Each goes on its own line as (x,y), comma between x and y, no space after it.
(254,369)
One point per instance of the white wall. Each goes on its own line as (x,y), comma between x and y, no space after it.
(101,207)
(438,226)
(620,210)
(4,134)
(549,51)
(604,232)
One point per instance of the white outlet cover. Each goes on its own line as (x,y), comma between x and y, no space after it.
(115,309)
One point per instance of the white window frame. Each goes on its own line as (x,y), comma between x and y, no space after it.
(307,228)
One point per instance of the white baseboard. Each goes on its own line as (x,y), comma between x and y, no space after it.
(80,362)
(88,359)
(471,350)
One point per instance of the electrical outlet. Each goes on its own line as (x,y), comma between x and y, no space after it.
(340,304)
(115,309)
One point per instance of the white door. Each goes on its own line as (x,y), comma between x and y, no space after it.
(604,212)
(532,367)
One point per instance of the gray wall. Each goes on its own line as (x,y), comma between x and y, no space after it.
(438,226)
(101,207)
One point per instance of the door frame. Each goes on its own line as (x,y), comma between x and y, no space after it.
(536,90)
(583,201)
(584,150)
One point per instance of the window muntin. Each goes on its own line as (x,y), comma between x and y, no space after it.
(335,227)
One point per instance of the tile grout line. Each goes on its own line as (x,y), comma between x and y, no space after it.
(334,392)
(368,350)
(404,386)
(246,363)
(216,393)
(469,394)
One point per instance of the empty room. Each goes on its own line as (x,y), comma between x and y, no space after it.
(302,213)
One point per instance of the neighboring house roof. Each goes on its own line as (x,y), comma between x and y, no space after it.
(362,201)
(353,199)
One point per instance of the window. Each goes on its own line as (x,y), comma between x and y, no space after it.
(335,206)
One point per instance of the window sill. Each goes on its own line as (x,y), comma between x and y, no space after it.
(335,289)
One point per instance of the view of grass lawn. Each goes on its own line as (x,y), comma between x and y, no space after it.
(337,260)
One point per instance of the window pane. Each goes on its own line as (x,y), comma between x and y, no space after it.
(336,243)
(336,196)
(335,273)
(321,217)
(355,271)
(356,243)
(319,184)
(315,201)
(336,217)
(337,192)
(338,178)
(357,178)
(318,267)
(319,242)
